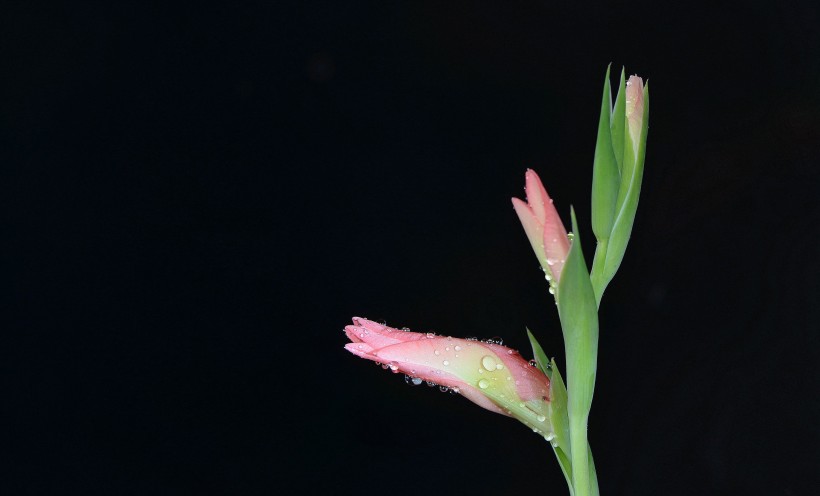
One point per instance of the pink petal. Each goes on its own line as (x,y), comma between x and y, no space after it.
(537,196)
(543,226)
(378,335)
(530,383)
(361,350)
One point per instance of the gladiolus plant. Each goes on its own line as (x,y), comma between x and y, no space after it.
(498,378)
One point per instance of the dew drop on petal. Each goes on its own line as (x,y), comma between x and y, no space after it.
(457,348)
(483,383)
(488,363)
(445,363)
(436,352)
(541,418)
(550,437)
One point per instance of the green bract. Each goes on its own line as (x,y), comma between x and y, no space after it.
(617,175)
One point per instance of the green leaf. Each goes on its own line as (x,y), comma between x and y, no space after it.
(540,357)
(605,175)
(579,323)
(618,122)
(578,311)
(558,408)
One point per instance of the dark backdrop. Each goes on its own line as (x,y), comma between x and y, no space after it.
(197,199)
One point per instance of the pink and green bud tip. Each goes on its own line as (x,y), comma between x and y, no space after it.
(490,375)
(544,228)
(634,111)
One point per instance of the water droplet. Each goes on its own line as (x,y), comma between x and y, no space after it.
(541,418)
(445,363)
(430,383)
(550,437)
(436,352)
(415,381)
(533,363)
(550,262)
(548,277)
(447,349)
(394,367)
(472,339)
(498,366)
(457,348)
(552,290)
(430,335)
(554,444)
(488,362)
(455,390)
(483,383)
(443,389)
(509,378)
(570,236)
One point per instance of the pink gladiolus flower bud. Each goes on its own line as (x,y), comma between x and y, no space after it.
(543,227)
(634,110)
(490,375)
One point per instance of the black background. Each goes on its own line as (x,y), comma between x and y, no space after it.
(196,199)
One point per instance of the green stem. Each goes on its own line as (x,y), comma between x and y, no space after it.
(593,477)
(580,455)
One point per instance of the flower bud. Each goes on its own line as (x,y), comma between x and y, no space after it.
(543,226)
(490,375)
(634,111)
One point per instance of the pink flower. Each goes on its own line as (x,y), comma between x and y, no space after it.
(543,227)
(634,110)
(490,375)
